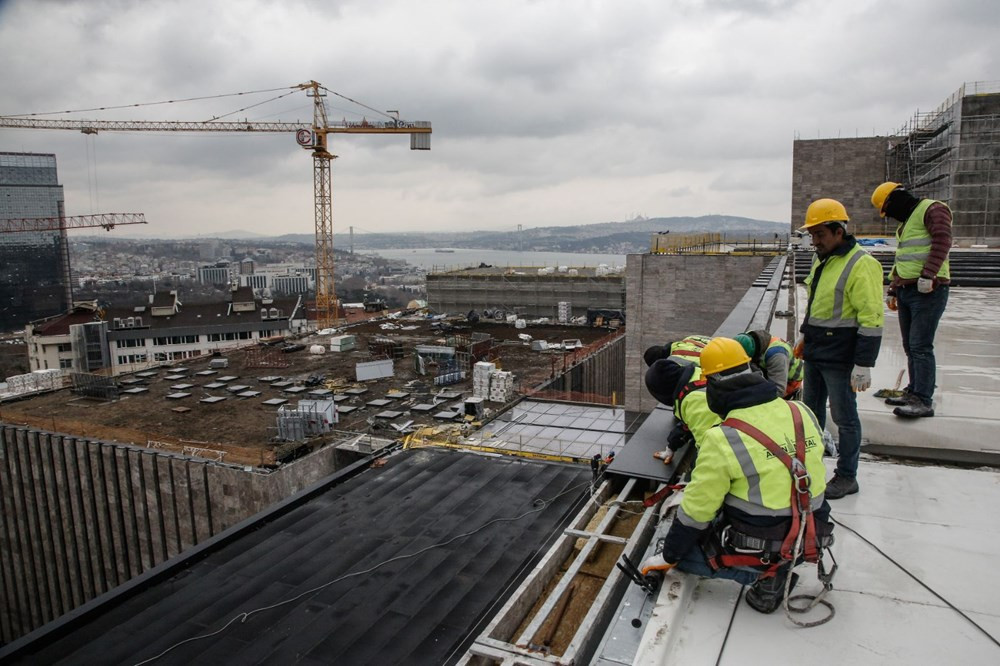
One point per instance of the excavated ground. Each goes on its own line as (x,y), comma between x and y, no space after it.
(246,429)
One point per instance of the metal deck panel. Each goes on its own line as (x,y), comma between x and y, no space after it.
(418,499)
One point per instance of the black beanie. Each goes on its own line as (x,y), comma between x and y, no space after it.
(662,378)
(900,204)
(655,353)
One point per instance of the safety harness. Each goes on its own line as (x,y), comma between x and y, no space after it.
(800,499)
(802,542)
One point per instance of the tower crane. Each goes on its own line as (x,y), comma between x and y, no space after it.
(312,137)
(107,221)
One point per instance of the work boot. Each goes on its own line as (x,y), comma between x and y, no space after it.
(914,410)
(766,594)
(905,399)
(840,486)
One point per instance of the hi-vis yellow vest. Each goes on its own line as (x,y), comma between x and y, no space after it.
(913,245)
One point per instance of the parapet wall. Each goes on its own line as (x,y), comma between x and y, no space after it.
(670,296)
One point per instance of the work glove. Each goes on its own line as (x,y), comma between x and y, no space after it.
(925,285)
(861,378)
(890,302)
(829,445)
(655,563)
(666,455)
(799,346)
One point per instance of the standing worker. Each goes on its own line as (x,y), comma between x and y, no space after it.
(918,288)
(773,357)
(841,332)
(750,499)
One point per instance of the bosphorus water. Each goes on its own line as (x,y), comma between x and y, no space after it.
(432,259)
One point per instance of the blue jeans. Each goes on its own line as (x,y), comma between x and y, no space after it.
(833,382)
(695,563)
(919,315)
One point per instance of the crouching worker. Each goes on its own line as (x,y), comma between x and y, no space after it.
(681,386)
(756,489)
(775,359)
(664,383)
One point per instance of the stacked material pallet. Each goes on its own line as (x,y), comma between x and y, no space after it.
(565,311)
(39,380)
(343,343)
(481,372)
(501,386)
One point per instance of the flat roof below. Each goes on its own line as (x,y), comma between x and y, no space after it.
(453,531)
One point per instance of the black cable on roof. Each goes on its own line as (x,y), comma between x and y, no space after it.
(922,583)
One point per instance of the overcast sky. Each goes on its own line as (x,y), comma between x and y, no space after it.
(544,112)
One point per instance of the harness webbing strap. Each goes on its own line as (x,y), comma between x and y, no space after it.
(800,497)
(690,386)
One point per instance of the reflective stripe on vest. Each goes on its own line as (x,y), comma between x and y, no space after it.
(837,319)
(795,368)
(688,350)
(913,245)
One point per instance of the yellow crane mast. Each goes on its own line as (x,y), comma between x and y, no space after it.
(311,137)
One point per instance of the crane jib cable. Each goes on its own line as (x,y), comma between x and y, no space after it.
(137,104)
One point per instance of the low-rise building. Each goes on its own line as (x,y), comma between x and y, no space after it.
(122,339)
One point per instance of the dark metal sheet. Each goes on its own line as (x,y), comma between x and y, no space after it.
(418,609)
(636,458)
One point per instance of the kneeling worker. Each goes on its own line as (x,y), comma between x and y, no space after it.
(774,358)
(751,497)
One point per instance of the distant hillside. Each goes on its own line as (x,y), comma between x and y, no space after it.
(630,236)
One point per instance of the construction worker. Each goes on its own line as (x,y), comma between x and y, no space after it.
(918,287)
(663,380)
(685,350)
(774,358)
(673,383)
(739,504)
(841,332)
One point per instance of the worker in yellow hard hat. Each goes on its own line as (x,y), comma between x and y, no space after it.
(841,332)
(918,287)
(748,493)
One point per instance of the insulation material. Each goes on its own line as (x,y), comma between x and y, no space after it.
(501,386)
(481,378)
(374,369)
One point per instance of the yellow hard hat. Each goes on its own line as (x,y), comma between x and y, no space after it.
(722,354)
(880,194)
(822,211)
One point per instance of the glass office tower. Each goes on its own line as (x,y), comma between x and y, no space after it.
(34,266)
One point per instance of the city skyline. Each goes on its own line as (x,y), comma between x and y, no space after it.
(544,113)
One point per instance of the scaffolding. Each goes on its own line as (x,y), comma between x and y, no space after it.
(952,154)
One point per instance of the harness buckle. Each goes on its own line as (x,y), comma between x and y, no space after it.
(801,477)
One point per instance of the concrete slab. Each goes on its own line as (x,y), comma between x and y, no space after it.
(931,520)
(967,399)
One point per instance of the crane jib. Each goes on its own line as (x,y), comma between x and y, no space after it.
(90,126)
